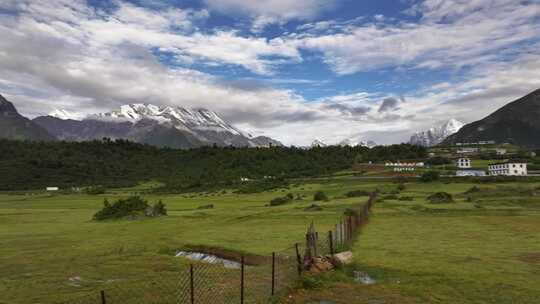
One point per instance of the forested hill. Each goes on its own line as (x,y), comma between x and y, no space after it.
(35,165)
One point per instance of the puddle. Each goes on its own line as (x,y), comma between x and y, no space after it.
(362,277)
(208,258)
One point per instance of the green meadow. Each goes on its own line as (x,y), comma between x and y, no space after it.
(482,248)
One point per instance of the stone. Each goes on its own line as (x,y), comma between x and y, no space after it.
(342,258)
(319,265)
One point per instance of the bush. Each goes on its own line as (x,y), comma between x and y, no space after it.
(95,190)
(278,201)
(440,198)
(320,196)
(401,187)
(357,193)
(430,176)
(131,207)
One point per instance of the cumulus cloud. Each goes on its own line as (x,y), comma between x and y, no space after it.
(444,37)
(268,12)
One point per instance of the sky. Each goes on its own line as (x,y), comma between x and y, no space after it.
(294,70)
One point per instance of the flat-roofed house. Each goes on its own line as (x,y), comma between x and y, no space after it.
(508,168)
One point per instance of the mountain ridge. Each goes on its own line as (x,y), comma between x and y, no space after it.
(165,126)
(15,126)
(516,122)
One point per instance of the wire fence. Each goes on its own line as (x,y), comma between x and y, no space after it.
(245,282)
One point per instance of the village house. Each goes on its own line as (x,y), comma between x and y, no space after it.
(470,173)
(500,151)
(508,168)
(52,189)
(463,163)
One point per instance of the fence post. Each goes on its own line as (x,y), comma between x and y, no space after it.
(331,241)
(103,300)
(191,284)
(298,259)
(242,281)
(273,272)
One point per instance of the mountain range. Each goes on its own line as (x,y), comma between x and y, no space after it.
(17,127)
(436,135)
(163,126)
(517,122)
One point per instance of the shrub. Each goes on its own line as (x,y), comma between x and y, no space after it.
(440,198)
(357,193)
(133,207)
(430,176)
(320,196)
(401,187)
(282,200)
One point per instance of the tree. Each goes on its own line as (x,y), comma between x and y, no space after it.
(320,196)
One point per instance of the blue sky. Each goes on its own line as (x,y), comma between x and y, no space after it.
(294,70)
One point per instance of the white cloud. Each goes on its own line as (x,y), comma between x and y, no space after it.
(472,34)
(267,12)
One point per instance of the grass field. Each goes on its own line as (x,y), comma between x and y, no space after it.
(482,249)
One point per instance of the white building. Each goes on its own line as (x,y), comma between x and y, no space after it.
(509,168)
(463,163)
(52,188)
(470,173)
(401,165)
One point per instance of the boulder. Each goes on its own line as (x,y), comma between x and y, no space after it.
(342,258)
(319,265)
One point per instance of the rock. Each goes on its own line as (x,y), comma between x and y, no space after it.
(342,258)
(319,265)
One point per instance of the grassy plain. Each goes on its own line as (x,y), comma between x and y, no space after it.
(485,249)
(482,250)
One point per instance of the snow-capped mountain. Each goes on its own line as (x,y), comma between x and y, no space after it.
(174,127)
(180,118)
(65,115)
(353,143)
(436,135)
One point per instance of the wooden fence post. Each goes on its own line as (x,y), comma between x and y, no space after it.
(331,241)
(298,259)
(273,272)
(191,284)
(242,281)
(103,299)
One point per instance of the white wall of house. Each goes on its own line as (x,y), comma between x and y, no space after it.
(463,163)
(508,169)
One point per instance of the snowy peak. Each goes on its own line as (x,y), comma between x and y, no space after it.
(65,115)
(354,143)
(436,135)
(179,117)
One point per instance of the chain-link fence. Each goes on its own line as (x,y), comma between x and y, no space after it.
(254,282)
